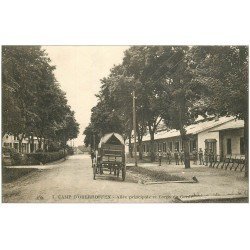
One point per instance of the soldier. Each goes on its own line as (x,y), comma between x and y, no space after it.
(92,154)
(182,156)
(195,156)
(206,156)
(176,156)
(169,156)
(200,153)
(160,156)
(210,157)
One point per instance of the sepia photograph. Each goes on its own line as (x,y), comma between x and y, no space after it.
(125,124)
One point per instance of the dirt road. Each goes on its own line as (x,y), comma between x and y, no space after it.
(72,181)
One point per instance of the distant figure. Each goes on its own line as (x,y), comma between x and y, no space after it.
(169,156)
(195,156)
(182,156)
(164,155)
(210,156)
(206,156)
(92,155)
(160,157)
(200,153)
(176,156)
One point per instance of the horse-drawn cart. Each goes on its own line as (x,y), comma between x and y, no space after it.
(110,156)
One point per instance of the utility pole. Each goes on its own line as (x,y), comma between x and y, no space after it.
(134,128)
(94,142)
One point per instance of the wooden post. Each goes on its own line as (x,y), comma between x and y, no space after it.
(134,128)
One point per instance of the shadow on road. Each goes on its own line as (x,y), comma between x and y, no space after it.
(110,177)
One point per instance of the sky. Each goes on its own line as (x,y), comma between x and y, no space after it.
(79,70)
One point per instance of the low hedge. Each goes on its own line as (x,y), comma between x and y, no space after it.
(45,157)
(12,157)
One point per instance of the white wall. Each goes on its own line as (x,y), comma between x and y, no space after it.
(208,135)
(10,139)
(234,135)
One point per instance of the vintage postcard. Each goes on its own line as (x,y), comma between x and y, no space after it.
(125,124)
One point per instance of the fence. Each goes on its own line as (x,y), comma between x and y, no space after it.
(228,162)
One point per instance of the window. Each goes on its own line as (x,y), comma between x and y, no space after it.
(242,146)
(211,144)
(177,145)
(192,145)
(164,146)
(171,146)
(181,145)
(229,147)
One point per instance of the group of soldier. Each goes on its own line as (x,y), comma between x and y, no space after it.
(204,158)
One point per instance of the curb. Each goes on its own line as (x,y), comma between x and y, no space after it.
(214,199)
(165,182)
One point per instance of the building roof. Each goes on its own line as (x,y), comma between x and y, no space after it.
(191,129)
(234,124)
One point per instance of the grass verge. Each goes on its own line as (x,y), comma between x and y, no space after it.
(154,175)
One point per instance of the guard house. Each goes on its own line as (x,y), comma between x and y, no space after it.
(223,135)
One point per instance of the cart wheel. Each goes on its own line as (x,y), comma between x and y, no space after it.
(94,171)
(123,172)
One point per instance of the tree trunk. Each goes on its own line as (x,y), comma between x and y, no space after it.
(186,149)
(32,144)
(152,141)
(39,143)
(140,147)
(20,140)
(45,145)
(20,145)
(184,136)
(64,146)
(130,146)
(246,145)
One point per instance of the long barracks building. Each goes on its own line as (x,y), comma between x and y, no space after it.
(224,135)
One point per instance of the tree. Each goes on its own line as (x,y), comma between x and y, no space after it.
(224,70)
(33,103)
(103,120)
(149,91)
(171,68)
(113,112)
(20,68)
(90,137)
(68,129)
